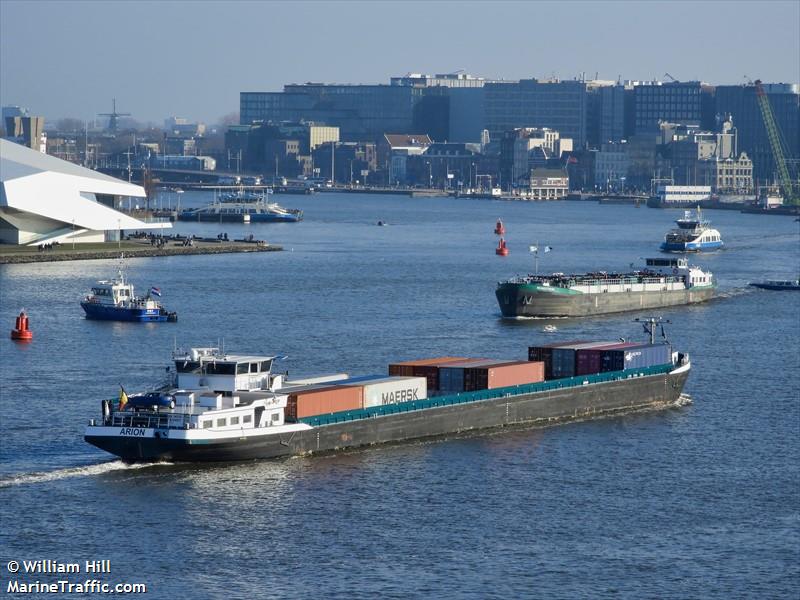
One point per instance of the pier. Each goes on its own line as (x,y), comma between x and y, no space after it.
(131,247)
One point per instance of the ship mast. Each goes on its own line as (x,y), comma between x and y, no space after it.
(651,325)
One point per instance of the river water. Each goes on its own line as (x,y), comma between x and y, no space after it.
(701,501)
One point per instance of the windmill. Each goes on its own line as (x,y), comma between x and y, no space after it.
(113,116)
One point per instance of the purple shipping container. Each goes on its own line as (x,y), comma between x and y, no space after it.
(564,359)
(589,361)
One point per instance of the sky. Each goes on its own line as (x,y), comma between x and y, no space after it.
(191,59)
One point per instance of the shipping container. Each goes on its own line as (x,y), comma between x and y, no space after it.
(451,376)
(503,375)
(545,354)
(636,356)
(589,361)
(323,401)
(564,358)
(425,367)
(391,390)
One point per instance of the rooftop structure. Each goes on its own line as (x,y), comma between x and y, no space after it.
(44,199)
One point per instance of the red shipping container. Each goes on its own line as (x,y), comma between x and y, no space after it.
(406,368)
(324,401)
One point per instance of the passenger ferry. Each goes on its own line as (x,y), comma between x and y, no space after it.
(242,212)
(692,235)
(114,300)
(217,406)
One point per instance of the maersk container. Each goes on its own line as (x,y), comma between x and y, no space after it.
(503,375)
(323,401)
(391,390)
(451,376)
(636,356)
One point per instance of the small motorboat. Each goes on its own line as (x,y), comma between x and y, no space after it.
(21,333)
(499,228)
(502,248)
(778,285)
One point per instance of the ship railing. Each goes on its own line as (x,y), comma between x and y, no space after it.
(466,397)
(149,420)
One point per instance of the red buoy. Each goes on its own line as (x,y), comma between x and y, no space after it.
(502,249)
(499,229)
(21,331)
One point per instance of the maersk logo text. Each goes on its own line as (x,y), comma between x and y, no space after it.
(400,396)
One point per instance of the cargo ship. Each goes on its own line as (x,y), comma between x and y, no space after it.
(663,282)
(226,407)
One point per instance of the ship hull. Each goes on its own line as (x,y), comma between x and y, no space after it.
(238,218)
(690,246)
(517,300)
(581,402)
(113,313)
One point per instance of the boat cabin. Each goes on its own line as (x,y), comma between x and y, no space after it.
(112,292)
(209,368)
(667,263)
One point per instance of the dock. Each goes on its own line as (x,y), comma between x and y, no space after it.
(131,247)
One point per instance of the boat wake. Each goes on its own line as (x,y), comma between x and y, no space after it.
(83,471)
(683,400)
(733,292)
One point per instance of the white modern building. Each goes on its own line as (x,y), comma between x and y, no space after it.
(44,199)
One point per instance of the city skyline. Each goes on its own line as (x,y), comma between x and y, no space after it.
(192,59)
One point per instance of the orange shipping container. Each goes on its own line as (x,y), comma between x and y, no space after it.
(505,375)
(324,401)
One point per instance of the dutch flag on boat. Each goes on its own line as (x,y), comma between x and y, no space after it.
(154,291)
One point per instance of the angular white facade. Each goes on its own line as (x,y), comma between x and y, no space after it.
(44,199)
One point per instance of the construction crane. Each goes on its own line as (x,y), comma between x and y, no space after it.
(113,116)
(773,133)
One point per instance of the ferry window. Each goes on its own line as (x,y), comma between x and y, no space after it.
(247,419)
(221,422)
(275,417)
(265,365)
(254,367)
(234,420)
(206,424)
(242,368)
(186,366)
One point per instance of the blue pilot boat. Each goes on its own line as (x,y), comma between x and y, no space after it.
(692,235)
(114,300)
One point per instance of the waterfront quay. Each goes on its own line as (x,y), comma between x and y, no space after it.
(131,247)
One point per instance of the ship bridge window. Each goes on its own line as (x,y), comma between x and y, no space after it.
(265,366)
(254,367)
(186,366)
(220,368)
(242,368)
